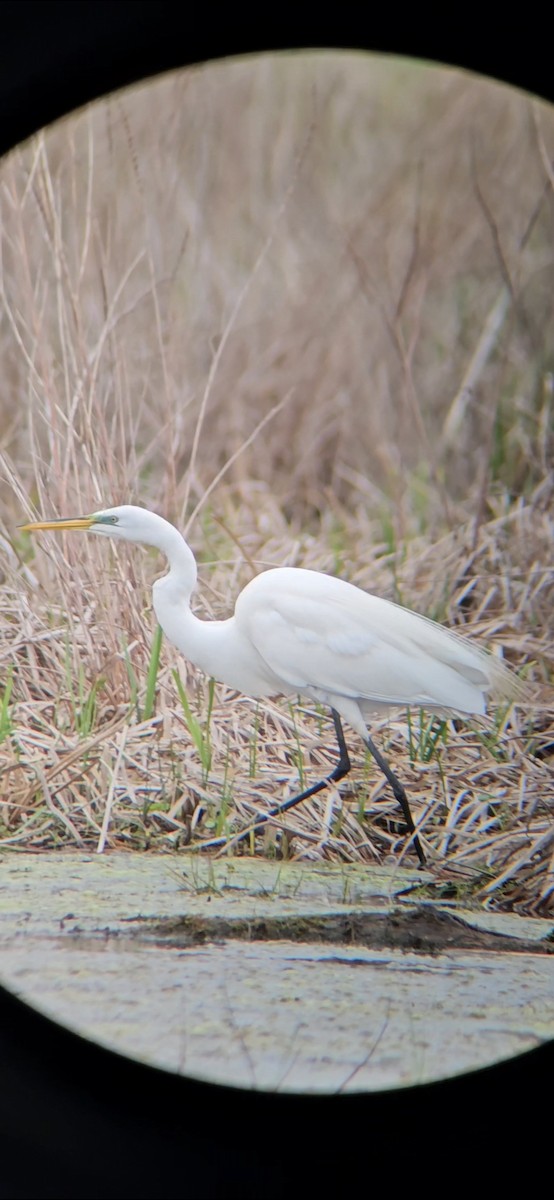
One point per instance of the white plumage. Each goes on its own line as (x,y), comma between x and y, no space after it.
(299,631)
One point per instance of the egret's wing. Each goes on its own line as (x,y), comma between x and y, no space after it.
(318,632)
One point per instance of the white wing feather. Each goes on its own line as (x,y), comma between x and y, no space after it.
(321,634)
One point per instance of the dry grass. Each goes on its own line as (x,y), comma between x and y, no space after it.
(302,306)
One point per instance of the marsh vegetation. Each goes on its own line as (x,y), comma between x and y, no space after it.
(301,305)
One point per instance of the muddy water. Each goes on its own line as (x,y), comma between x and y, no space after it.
(276,976)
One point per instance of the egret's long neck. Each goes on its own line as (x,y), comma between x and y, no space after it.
(180,581)
(217,647)
(200,641)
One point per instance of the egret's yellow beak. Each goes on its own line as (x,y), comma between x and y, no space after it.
(63,523)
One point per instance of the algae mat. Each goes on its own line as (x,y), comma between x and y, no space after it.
(290,977)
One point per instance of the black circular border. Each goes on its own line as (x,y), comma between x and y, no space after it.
(77,1120)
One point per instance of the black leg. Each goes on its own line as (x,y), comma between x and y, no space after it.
(399,794)
(342,768)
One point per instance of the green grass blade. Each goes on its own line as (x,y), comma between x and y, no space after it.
(133,682)
(152,676)
(201,740)
(5,718)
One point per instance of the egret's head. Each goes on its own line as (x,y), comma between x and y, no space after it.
(124,522)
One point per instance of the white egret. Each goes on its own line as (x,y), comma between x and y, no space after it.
(300,631)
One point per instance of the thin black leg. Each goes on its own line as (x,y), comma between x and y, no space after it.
(399,793)
(342,768)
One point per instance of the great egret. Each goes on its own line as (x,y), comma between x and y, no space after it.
(299,631)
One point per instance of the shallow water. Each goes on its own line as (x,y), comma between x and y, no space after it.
(188,965)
